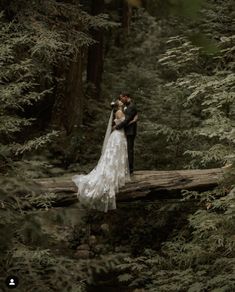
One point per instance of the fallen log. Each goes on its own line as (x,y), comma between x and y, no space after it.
(144,185)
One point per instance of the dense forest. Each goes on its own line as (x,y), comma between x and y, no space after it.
(62,63)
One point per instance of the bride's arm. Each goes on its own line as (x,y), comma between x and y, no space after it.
(134,120)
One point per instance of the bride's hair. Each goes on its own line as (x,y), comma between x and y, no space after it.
(116,105)
(125,94)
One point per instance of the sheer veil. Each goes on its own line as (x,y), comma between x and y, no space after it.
(98,188)
(108,132)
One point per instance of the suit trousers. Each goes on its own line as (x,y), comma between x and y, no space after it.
(130,149)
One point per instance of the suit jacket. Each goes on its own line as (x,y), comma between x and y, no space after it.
(130,113)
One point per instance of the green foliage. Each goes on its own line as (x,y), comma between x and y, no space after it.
(37,39)
(212,96)
(200,256)
(182,79)
(179,8)
(162,111)
(18,89)
(180,74)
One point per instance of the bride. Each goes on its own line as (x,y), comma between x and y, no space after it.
(97,189)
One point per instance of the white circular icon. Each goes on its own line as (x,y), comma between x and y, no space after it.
(12,282)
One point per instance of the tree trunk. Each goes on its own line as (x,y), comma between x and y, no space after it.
(126,16)
(154,185)
(125,12)
(95,53)
(74,106)
(68,106)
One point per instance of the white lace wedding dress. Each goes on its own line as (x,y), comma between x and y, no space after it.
(97,189)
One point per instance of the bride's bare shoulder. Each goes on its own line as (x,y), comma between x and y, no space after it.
(119,114)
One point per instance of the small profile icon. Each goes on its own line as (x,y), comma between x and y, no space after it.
(12,282)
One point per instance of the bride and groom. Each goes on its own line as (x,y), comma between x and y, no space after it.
(97,189)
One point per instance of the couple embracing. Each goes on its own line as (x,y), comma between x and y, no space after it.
(97,189)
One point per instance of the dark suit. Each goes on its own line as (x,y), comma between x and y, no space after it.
(130,131)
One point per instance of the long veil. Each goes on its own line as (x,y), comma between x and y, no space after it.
(108,132)
(97,189)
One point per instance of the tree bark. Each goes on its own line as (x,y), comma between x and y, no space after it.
(68,107)
(74,106)
(95,53)
(126,16)
(125,12)
(154,185)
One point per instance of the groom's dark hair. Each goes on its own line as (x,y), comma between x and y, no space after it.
(125,94)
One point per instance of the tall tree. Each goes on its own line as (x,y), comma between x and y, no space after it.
(95,52)
(68,106)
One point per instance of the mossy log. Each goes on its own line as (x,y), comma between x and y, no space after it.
(153,185)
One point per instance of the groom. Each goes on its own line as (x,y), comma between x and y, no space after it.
(130,111)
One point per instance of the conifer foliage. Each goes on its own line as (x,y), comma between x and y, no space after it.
(176,59)
(40,41)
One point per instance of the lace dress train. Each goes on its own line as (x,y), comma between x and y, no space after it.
(97,189)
